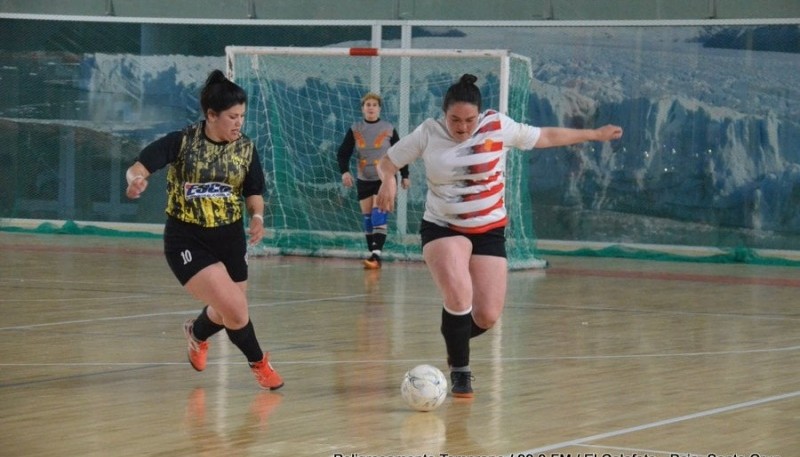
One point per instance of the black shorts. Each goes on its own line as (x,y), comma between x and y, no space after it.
(491,243)
(366,189)
(189,248)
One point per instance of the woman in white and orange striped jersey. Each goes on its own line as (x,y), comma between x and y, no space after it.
(463,228)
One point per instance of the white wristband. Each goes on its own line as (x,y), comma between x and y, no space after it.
(257,216)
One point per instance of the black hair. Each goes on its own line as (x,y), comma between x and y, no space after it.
(464,90)
(219,93)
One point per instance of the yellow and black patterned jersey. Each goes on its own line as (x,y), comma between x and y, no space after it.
(206,180)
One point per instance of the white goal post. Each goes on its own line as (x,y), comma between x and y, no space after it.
(303,100)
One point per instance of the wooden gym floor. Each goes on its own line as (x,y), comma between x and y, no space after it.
(592,357)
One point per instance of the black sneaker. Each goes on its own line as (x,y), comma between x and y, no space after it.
(462,384)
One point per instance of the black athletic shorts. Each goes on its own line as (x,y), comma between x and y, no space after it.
(189,248)
(491,243)
(366,189)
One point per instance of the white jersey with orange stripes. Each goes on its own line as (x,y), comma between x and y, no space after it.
(466,181)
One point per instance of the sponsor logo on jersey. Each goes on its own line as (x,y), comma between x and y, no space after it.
(207,189)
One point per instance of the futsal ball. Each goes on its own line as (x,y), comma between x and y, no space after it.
(424,387)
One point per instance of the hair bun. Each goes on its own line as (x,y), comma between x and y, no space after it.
(215,77)
(467,78)
(465,90)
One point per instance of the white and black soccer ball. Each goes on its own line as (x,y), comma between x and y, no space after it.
(424,387)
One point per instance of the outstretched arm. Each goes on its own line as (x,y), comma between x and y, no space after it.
(560,136)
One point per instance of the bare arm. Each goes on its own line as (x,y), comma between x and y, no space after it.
(388,190)
(560,136)
(255,207)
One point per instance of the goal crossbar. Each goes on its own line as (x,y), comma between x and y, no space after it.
(503,55)
(366,52)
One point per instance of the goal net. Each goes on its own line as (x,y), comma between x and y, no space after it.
(301,103)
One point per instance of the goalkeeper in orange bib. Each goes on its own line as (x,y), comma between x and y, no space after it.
(370,138)
(211,168)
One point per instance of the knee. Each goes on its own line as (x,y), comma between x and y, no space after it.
(484,319)
(235,315)
(235,321)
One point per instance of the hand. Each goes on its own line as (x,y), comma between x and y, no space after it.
(347,179)
(255,230)
(386,195)
(609,132)
(136,187)
(405,183)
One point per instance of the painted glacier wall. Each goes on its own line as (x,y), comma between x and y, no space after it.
(711,151)
(710,155)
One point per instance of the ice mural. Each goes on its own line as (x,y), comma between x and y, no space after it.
(710,157)
(710,154)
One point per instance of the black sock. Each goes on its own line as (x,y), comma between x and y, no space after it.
(370,241)
(245,339)
(203,328)
(456,331)
(476,330)
(378,241)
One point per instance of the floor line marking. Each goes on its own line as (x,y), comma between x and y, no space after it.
(171,313)
(584,441)
(669,276)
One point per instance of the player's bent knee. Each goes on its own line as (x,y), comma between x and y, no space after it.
(485,320)
(235,317)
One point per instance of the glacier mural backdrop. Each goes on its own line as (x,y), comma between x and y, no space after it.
(710,156)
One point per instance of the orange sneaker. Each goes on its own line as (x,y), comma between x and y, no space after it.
(266,376)
(372,263)
(198,350)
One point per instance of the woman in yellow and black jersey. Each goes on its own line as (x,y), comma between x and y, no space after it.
(211,168)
